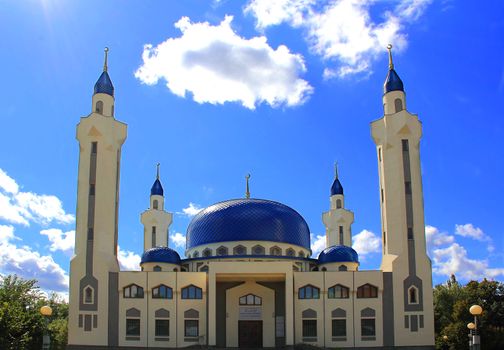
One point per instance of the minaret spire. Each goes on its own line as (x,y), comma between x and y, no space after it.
(105,67)
(157,166)
(391,63)
(247,190)
(335,170)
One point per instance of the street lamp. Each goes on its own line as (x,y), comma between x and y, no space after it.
(445,342)
(471,327)
(476,311)
(46,311)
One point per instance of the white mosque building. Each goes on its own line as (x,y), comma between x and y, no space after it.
(248,279)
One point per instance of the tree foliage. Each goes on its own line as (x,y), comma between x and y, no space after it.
(21,324)
(451,313)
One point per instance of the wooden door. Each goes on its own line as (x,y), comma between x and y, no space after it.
(250,334)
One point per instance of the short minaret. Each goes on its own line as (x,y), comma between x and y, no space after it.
(404,262)
(94,267)
(338,220)
(156,220)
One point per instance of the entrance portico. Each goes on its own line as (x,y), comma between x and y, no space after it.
(271,318)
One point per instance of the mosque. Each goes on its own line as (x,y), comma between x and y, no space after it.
(248,279)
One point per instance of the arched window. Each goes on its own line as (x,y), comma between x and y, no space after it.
(133,291)
(155,204)
(239,250)
(275,251)
(342,268)
(323,269)
(398,105)
(338,203)
(162,324)
(290,252)
(413,295)
(192,292)
(367,291)
(162,292)
(301,254)
(338,292)
(309,292)
(88,295)
(195,254)
(368,324)
(207,252)
(222,251)
(258,250)
(99,107)
(250,299)
(204,269)
(157,268)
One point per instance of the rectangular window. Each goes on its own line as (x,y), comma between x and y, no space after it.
(153,236)
(421,321)
(379,154)
(410,232)
(405,145)
(406,321)
(133,326)
(92,189)
(94,147)
(162,328)
(339,328)
(381,193)
(368,328)
(309,328)
(87,323)
(341,235)
(407,187)
(191,328)
(90,234)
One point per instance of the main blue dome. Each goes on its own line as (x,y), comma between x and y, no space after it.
(160,255)
(104,85)
(338,253)
(393,82)
(248,220)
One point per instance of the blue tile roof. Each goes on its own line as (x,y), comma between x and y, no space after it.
(160,255)
(157,188)
(248,219)
(104,85)
(338,253)
(336,187)
(392,82)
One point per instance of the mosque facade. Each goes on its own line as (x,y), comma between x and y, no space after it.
(248,279)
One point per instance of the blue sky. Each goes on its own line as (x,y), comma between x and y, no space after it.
(279,89)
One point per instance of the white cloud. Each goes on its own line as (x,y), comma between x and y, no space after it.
(22,207)
(342,31)
(216,65)
(468,230)
(28,264)
(192,209)
(64,241)
(454,260)
(318,244)
(178,239)
(365,243)
(128,261)
(436,238)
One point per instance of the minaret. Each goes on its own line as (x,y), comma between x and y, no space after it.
(397,137)
(94,266)
(338,220)
(156,220)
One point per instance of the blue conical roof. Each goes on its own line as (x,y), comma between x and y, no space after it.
(336,187)
(393,82)
(157,188)
(104,85)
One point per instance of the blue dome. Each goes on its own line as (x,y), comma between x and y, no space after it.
(156,189)
(336,187)
(248,220)
(338,253)
(104,85)
(393,82)
(160,255)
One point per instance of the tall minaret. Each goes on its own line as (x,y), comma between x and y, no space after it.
(397,137)
(156,220)
(338,220)
(94,266)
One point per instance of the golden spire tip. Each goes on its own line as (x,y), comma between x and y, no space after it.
(106,58)
(157,166)
(247,190)
(391,63)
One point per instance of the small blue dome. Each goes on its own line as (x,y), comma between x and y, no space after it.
(160,255)
(104,85)
(248,220)
(336,187)
(393,82)
(338,253)
(156,189)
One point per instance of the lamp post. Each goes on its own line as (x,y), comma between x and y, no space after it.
(445,342)
(46,311)
(471,327)
(476,311)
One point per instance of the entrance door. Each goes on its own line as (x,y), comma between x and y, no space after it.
(250,334)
